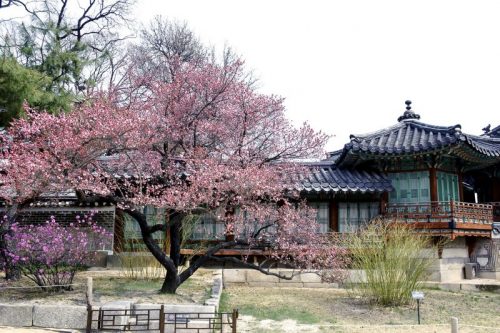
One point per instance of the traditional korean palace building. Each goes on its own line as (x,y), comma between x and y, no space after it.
(438,179)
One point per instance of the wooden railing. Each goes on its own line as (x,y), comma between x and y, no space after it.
(442,212)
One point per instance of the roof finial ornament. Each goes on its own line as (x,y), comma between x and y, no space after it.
(408,114)
(487,129)
(408,104)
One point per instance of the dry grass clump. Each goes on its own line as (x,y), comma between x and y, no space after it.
(395,259)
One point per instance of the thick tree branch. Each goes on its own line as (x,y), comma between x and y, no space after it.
(246,264)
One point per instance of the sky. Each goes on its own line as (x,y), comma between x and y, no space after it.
(347,67)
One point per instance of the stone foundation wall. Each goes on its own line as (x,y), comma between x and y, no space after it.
(254,278)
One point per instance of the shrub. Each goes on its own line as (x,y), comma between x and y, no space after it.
(140,265)
(395,259)
(50,254)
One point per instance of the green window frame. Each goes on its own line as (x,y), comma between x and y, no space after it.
(447,186)
(207,227)
(353,215)
(409,187)
(322,215)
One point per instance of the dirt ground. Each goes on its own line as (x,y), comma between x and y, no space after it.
(110,286)
(273,310)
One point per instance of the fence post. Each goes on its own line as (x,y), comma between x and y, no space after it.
(90,296)
(89,318)
(234,320)
(162,319)
(454,325)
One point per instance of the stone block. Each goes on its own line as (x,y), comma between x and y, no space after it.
(18,315)
(217,287)
(452,273)
(295,275)
(310,278)
(116,314)
(256,276)
(455,253)
(189,308)
(142,311)
(234,275)
(434,276)
(356,276)
(60,316)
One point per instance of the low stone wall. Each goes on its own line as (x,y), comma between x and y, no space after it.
(62,316)
(75,316)
(217,287)
(254,278)
(39,315)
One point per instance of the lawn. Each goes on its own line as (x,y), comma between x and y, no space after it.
(323,310)
(110,286)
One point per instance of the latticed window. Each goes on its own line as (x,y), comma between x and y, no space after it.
(410,187)
(447,184)
(206,226)
(322,215)
(353,215)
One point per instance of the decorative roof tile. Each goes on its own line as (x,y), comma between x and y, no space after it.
(321,177)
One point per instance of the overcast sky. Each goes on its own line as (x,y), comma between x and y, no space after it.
(348,66)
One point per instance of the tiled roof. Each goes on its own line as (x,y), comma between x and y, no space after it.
(494,133)
(407,136)
(411,136)
(321,177)
(488,146)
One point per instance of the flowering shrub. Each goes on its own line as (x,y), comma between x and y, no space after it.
(50,254)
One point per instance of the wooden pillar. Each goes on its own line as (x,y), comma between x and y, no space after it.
(433,184)
(119,232)
(384,200)
(334,216)
(460,187)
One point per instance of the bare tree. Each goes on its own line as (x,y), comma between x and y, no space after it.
(65,38)
(165,44)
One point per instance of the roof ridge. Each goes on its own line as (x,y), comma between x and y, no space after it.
(407,123)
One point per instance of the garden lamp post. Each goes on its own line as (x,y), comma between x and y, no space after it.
(418,295)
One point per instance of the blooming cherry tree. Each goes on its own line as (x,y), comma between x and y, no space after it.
(205,142)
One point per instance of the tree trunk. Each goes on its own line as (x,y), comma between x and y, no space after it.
(175,241)
(11,270)
(170,283)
